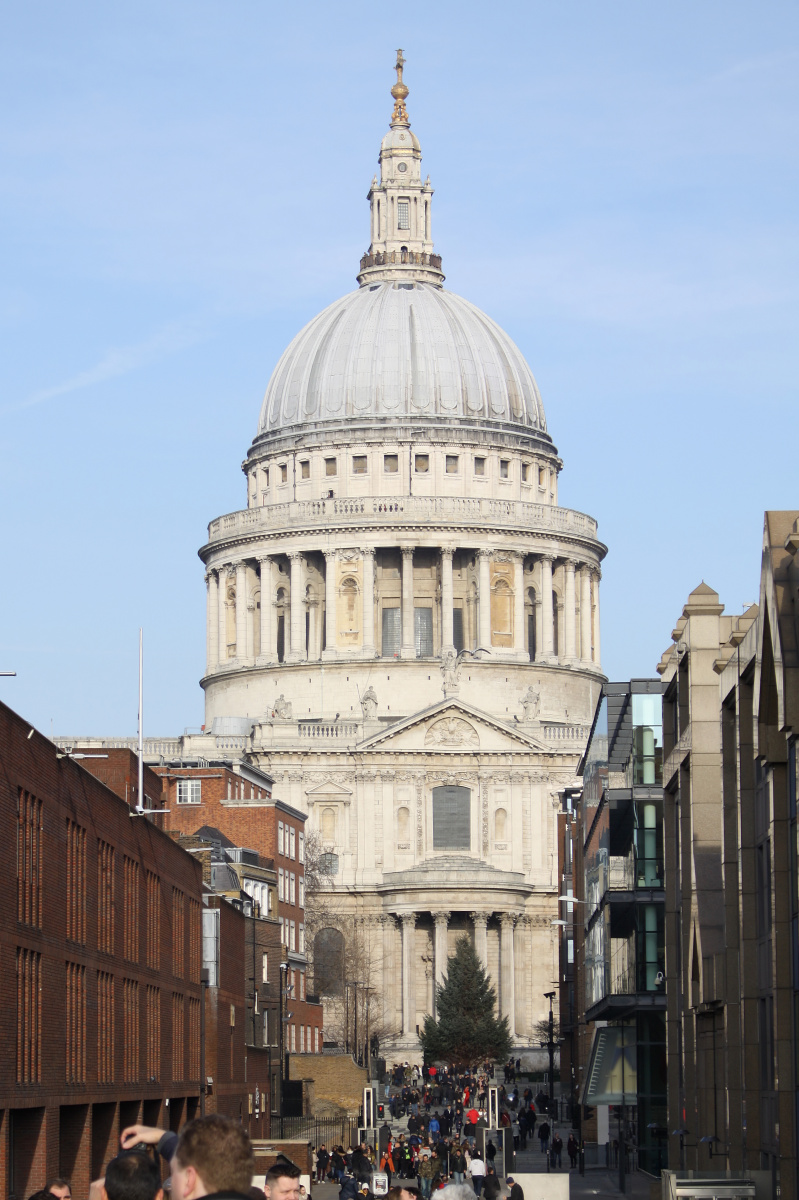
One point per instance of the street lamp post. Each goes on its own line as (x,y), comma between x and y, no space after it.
(283,976)
(550,996)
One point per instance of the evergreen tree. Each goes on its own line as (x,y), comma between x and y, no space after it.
(465,1030)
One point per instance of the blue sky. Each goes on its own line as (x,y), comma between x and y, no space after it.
(183,186)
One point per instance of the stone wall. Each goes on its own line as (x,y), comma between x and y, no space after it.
(338,1082)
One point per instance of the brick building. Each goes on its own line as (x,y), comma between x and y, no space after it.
(236,802)
(100,958)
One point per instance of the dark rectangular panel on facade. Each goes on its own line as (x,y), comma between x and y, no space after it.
(452,818)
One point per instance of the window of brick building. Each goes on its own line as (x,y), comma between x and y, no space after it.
(292,842)
(280,838)
(189,791)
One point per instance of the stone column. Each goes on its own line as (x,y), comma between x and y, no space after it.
(596,575)
(442,920)
(585,613)
(570,613)
(297,651)
(480,920)
(548,647)
(518,605)
(508,970)
(408,647)
(484,599)
(331,625)
(408,974)
(223,578)
(212,620)
(241,610)
(389,975)
(447,639)
(368,640)
(265,570)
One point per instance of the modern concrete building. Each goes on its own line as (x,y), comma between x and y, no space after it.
(731,714)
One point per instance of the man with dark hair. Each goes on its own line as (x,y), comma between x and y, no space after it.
(60,1188)
(133,1176)
(212,1155)
(282,1182)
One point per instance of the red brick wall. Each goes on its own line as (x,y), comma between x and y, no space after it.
(119,770)
(59,1126)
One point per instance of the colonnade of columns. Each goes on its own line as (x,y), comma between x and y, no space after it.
(580,595)
(506,983)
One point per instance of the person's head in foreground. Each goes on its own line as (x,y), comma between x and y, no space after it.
(60,1188)
(282,1182)
(213,1154)
(456,1191)
(132,1176)
(404,1193)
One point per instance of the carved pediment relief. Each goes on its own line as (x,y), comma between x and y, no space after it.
(452,731)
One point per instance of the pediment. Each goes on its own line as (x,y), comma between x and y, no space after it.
(329,789)
(452,726)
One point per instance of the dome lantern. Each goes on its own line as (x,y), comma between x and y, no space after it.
(401,240)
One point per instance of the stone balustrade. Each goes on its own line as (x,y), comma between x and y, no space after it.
(398,512)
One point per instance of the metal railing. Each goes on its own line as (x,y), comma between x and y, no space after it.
(332,1131)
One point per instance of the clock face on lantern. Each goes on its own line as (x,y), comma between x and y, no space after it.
(402,168)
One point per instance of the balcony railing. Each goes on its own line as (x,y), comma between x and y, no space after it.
(399,511)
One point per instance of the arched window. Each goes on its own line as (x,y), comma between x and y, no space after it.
(555,623)
(328,825)
(500,825)
(403,827)
(529,611)
(501,614)
(348,621)
(281,605)
(256,623)
(328,962)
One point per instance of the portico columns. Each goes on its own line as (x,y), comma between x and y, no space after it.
(480,920)
(518,605)
(223,578)
(441,920)
(212,620)
(408,976)
(507,922)
(484,599)
(265,565)
(297,651)
(585,613)
(330,604)
(241,610)
(408,647)
(547,650)
(368,640)
(570,613)
(447,639)
(596,576)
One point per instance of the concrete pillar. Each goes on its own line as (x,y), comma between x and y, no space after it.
(441,920)
(368,640)
(596,575)
(408,974)
(508,970)
(447,640)
(484,599)
(585,613)
(480,920)
(570,613)
(241,610)
(265,570)
(297,651)
(212,620)
(331,625)
(518,606)
(548,647)
(223,580)
(408,647)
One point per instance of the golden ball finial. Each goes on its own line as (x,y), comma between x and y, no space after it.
(399,92)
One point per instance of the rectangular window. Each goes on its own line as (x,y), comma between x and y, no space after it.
(293,936)
(292,842)
(292,887)
(542,477)
(305,469)
(403,214)
(452,464)
(301,948)
(421,464)
(301,890)
(479,466)
(178,1035)
(29,1016)
(302,991)
(105,897)
(302,848)
(316,1039)
(29,859)
(284,473)
(391,464)
(302,1039)
(178,932)
(423,632)
(152,1018)
(130,1032)
(280,838)
(525,472)
(76,1023)
(105,1027)
(392,633)
(130,909)
(330,466)
(457,628)
(194,1038)
(294,1039)
(451,818)
(281,891)
(264,967)
(282,931)
(153,921)
(76,882)
(359,464)
(189,791)
(504,468)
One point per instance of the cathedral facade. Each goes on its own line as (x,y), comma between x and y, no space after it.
(403,623)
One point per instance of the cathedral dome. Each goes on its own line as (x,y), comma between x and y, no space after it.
(402,350)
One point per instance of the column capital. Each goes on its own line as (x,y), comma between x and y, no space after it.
(368,551)
(407,551)
(484,553)
(265,560)
(294,555)
(331,554)
(480,918)
(570,562)
(407,918)
(595,573)
(507,919)
(549,558)
(441,918)
(446,551)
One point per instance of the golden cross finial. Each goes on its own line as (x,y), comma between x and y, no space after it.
(399,92)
